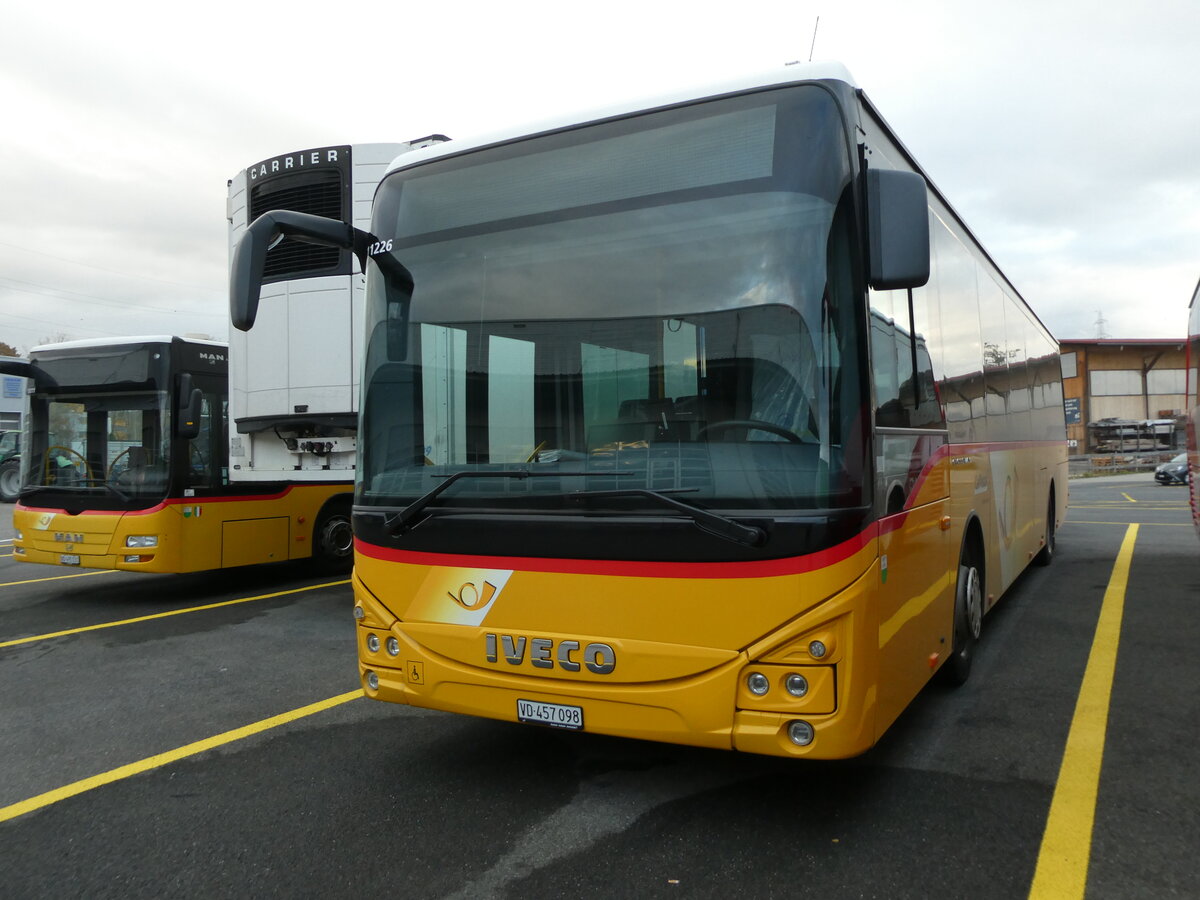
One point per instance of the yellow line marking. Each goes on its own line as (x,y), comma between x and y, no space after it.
(1150,524)
(1125,506)
(162,759)
(1127,497)
(163,615)
(1067,841)
(59,577)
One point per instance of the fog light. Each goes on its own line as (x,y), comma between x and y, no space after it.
(796,685)
(816,649)
(358,612)
(800,733)
(757,684)
(373,643)
(373,681)
(141,540)
(18,551)
(393,646)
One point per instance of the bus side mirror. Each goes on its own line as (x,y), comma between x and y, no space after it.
(250,254)
(13,366)
(191,406)
(897,229)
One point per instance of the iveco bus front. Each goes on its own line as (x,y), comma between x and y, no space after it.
(618,465)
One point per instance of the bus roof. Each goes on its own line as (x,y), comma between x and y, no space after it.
(791,73)
(93,343)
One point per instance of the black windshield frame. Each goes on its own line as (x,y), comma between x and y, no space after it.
(808,117)
(101,426)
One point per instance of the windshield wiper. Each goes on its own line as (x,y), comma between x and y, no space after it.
(713,523)
(121,495)
(88,485)
(401,522)
(706,520)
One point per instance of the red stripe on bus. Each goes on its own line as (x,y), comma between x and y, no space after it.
(949,450)
(792,565)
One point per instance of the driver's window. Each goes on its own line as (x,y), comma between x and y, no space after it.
(200,464)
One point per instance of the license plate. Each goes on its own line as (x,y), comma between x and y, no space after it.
(556,715)
(68,559)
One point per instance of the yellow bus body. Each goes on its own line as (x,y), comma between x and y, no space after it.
(686,635)
(193,534)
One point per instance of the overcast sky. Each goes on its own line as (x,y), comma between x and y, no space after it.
(1067,134)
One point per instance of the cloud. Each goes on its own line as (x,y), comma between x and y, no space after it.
(1065,133)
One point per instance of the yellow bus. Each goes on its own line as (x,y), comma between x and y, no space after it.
(703,420)
(125,466)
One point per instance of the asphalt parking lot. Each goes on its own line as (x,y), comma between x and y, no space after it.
(203,735)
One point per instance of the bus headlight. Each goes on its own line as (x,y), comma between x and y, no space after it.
(757,683)
(817,649)
(373,643)
(19,536)
(393,647)
(800,733)
(796,685)
(141,540)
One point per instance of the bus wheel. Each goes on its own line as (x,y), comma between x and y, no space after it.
(1045,556)
(333,540)
(968,622)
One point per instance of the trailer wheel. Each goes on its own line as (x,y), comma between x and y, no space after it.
(333,539)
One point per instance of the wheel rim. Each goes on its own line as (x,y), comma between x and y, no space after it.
(974,604)
(337,538)
(10,480)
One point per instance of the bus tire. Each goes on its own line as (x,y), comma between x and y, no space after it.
(968,621)
(333,538)
(1045,556)
(10,480)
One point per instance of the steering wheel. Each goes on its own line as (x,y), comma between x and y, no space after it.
(51,452)
(749,424)
(112,465)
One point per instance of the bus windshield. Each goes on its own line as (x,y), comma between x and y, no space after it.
(663,303)
(99,425)
(115,443)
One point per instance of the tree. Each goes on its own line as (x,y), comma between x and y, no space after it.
(8,350)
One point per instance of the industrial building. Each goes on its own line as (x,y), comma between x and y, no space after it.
(1124,395)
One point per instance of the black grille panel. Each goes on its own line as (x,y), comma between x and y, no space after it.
(316,192)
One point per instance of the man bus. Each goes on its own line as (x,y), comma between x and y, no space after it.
(127,466)
(706,420)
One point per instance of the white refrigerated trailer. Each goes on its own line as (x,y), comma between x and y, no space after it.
(293,377)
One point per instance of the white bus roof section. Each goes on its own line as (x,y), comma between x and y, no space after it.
(792,73)
(92,343)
